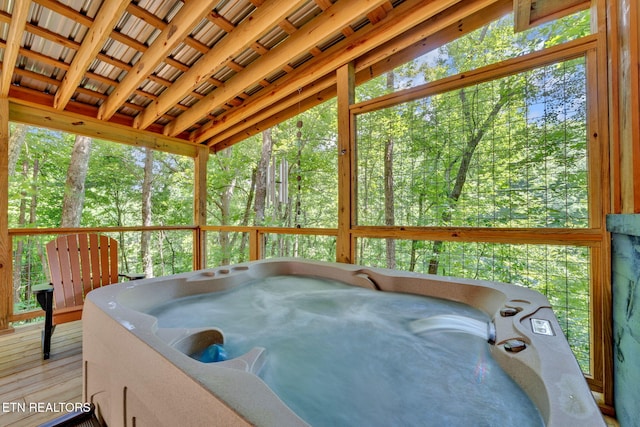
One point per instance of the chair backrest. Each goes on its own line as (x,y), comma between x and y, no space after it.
(79,263)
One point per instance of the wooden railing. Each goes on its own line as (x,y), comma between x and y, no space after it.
(258,237)
(199,249)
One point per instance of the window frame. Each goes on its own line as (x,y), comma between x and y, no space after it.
(595,236)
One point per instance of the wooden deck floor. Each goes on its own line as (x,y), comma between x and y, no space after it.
(26,380)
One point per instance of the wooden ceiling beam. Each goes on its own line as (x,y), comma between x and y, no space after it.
(392,54)
(287,26)
(339,15)
(221,21)
(73,45)
(36,76)
(133,9)
(399,21)
(323,4)
(109,13)
(189,15)
(529,13)
(53,37)
(241,38)
(299,102)
(14,37)
(146,16)
(128,41)
(36,56)
(66,11)
(114,61)
(380,13)
(463,18)
(25,111)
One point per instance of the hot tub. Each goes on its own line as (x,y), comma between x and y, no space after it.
(144,365)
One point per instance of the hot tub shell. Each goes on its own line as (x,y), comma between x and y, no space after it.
(139,374)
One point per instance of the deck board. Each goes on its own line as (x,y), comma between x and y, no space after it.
(26,379)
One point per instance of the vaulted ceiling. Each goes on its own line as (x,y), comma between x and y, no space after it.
(175,75)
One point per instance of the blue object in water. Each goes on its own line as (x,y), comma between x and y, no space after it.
(213,353)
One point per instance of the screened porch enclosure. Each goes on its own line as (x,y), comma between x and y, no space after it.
(452,145)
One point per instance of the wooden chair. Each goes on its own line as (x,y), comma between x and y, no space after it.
(78,263)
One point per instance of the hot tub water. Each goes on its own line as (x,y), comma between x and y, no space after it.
(342,355)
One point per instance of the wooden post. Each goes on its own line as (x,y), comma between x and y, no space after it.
(6,288)
(625,82)
(200,207)
(346,97)
(256,249)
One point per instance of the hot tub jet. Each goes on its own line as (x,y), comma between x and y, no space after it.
(454,323)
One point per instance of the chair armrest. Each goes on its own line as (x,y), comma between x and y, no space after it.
(44,296)
(44,287)
(133,276)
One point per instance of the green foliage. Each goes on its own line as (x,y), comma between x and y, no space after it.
(505,153)
(311,163)
(112,198)
(488,45)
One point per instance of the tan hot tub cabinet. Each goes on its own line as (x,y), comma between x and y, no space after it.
(138,374)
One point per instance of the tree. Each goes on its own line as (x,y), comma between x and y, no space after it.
(476,127)
(389,203)
(75,186)
(145,238)
(16,141)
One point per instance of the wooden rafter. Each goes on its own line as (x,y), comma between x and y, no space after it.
(413,43)
(221,21)
(16,29)
(66,11)
(529,13)
(398,21)
(188,16)
(339,15)
(238,45)
(235,42)
(37,115)
(98,33)
(132,8)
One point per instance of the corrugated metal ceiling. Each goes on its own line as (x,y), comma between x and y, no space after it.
(230,42)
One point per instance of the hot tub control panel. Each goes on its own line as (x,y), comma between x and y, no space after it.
(541,327)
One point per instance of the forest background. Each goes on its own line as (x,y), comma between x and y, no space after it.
(511,152)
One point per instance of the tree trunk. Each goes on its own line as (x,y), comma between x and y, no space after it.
(22,274)
(73,200)
(161,238)
(261,177)
(225,212)
(413,258)
(32,220)
(247,214)
(16,141)
(224,205)
(475,136)
(17,257)
(389,218)
(145,238)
